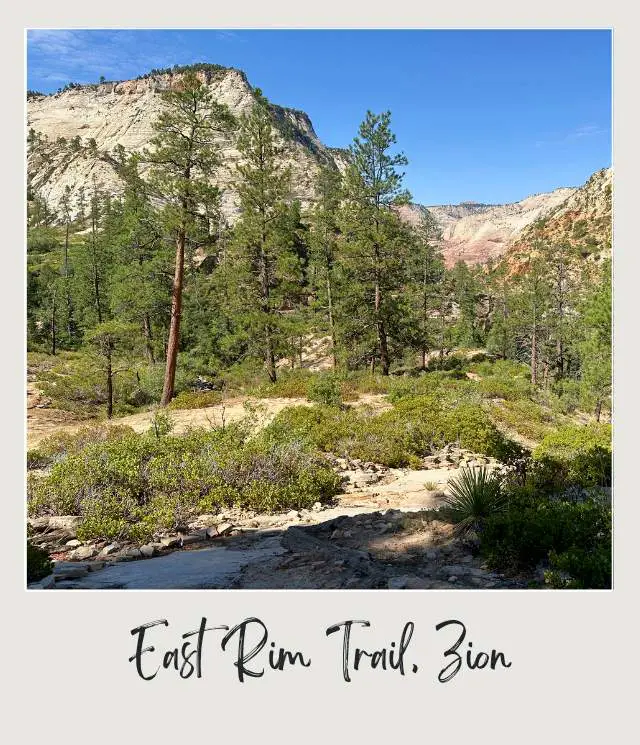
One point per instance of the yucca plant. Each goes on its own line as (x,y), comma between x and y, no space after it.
(474,495)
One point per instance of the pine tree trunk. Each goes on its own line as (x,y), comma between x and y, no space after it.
(174,328)
(96,278)
(53,324)
(270,359)
(109,386)
(424,314)
(382,333)
(270,356)
(146,324)
(534,357)
(560,356)
(331,321)
(598,411)
(66,286)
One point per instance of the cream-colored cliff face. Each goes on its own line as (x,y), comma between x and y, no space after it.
(123,113)
(476,233)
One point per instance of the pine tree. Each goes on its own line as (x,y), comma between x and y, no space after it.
(426,271)
(501,332)
(467,297)
(140,289)
(108,339)
(561,262)
(531,311)
(65,208)
(595,343)
(184,158)
(324,237)
(376,242)
(267,266)
(93,262)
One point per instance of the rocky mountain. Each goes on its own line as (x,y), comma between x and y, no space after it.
(583,220)
(476,233)
(73,136)
(75,133)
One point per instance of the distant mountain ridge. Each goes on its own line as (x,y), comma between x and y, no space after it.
(79,128)
(476,233)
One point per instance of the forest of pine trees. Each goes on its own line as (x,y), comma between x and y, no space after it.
(153,286)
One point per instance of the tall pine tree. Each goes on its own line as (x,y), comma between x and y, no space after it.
(184,157)
(376,242)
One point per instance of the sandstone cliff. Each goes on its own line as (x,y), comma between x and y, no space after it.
(476,233)
(583,221)
(122,113)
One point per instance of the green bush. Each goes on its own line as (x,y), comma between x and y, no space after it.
(356,433)
(196,399)
(578,568)
(503,379)
(579,455)
(290,384)
(38,563)
(565,396)
(141,484)
(396,438)
(450,362)
(365,383)
(526,417)
(325,389)
(59,445)
(524,535)
(430,383)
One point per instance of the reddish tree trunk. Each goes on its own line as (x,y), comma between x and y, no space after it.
(174,328)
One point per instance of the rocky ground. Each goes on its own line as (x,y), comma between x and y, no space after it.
(383,531)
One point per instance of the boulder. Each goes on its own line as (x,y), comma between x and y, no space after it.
(192,538)
(83,552)
(148,550)
(39,523)
(64,522)
(170,541)
(110,548)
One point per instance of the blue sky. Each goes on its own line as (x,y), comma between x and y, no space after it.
(487,116)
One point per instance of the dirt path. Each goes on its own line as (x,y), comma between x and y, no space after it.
(43,422)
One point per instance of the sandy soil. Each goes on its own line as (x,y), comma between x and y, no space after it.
(42,422)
